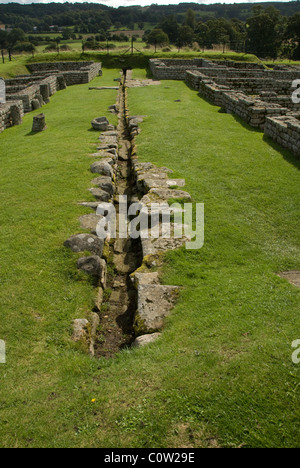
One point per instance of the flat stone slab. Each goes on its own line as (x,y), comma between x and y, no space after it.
(92,205)
(161,195)
(166,194)
(80,329)
(292,277)
(108,139)
(155,302)
(163,183)
(145,339)
(105,155)
(90,222)
(141,83)
(139,278)
(152,247)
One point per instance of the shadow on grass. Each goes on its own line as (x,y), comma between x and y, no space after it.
(32,133)
(285,153)
(208,101)
(246,125)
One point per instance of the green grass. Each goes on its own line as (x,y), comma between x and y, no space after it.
(221,374)
(234,313)
(16,67)
(282,62)
(43,176)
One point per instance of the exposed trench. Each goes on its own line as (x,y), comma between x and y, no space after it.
(125,256)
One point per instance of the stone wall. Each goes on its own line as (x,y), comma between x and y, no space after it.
(32,91)
(285,130)
(26,96)
(11,114)
(175,69)
(261,97)
(73,72)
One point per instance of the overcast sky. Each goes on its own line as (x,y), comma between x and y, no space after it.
(117,3)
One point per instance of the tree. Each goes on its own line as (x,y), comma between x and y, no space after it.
(201,36)
(262,32)
(293,35)
(190,19)
(16,35)
(170,26)
(185,37)
(158,37)
(66,34)
(3,43)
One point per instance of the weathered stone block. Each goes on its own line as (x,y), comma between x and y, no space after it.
(154,304)
(85,242)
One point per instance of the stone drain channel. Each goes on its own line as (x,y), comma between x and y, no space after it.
(130,303)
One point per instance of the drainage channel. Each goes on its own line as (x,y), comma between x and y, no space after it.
(125,256)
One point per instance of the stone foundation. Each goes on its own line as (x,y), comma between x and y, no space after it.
(261,97)
(35,90)
(11,114)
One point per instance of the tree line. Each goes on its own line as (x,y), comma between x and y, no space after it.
(266,32)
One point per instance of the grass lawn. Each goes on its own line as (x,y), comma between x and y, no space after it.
(236,319)
(221,374)
(16,67)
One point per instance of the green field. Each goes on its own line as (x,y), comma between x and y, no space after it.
(16,67)
(221,375)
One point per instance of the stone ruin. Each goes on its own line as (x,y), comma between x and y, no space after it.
(260,96)
(137,295)
(39,123)
(26,93)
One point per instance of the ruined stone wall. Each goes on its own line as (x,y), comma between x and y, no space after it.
(61,66)
(240,65)
(11,114)
(26,96)
(285,130)
(73,72)
(262,98)
(251,110)
(174,69)
(35,90)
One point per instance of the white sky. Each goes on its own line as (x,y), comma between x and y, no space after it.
(117,3)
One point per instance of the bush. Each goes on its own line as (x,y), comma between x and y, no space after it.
(65,48)
(24,47)
(50,48)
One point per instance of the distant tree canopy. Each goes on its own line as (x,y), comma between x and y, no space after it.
(158,37)
(247,27)
(14,40)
